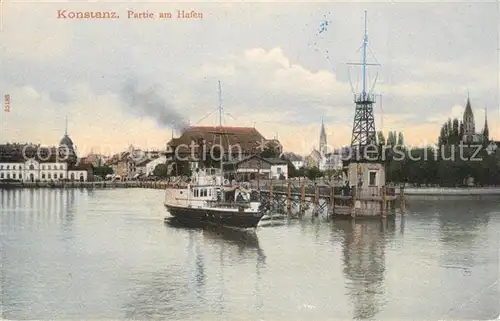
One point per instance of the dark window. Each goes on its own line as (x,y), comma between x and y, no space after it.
(373,177)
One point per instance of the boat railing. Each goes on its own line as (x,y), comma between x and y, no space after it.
(214,203)
(244,204)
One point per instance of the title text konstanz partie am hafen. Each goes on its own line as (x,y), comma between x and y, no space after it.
(185,14)
(65,14)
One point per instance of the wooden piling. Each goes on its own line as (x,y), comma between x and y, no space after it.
(384,202)
(354,198)
(271,194)
(289,199)
(402,199)
(316,200)
(331,203)
(302,197)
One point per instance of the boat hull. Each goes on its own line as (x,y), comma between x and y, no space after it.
(226,218)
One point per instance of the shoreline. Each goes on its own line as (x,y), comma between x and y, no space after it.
(409,191)
(450,191)
(76,184)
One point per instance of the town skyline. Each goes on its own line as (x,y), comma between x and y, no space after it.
(281,77)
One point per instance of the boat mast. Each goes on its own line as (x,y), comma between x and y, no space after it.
(220,127)
(365,42)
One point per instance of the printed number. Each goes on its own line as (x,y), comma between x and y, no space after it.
(6,103)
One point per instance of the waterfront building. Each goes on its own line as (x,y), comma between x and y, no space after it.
(253,166)
(95,160)
(297,161)
(29,162)
(151,165)
(135,163)
(197,144)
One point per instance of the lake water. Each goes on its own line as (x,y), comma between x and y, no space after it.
(96,254)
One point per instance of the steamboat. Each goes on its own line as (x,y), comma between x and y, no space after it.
(208,197)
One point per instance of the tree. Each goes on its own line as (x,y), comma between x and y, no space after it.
(451,132)
(161,170)
(400,139)
(333,174)
(442,140)
(391,139)
(461,130)
(380,138)
(269,153)
(103,171)
(181,168)
(313,173)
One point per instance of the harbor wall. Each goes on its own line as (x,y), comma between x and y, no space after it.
(76,184)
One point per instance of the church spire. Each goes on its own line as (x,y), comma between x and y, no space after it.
(486,131)
(322,138)
(468,108)
(468,120)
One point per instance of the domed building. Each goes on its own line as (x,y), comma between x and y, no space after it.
(66,150)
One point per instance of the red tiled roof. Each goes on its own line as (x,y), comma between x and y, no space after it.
(225,129)
(248,138)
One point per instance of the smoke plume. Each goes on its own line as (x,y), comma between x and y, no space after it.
(149,103)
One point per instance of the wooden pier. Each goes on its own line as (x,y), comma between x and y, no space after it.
(295,200)
(285,197)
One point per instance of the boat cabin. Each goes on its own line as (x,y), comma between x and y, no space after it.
(207,176)
(208,185)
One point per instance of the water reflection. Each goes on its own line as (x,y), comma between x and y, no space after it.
(242,238)
(35,226)
(203,277)
(27,207)
(461,224)
(363,247)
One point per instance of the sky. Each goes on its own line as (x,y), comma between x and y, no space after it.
(127,81)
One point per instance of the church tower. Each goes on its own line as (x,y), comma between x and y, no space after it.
(468,121)
(486,131)
(322,139)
